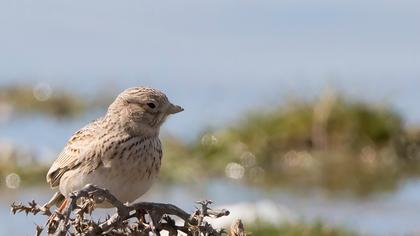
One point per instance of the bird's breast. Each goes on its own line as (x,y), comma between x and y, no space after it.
(130,168)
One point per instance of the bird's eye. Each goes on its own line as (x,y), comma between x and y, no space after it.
(151,105)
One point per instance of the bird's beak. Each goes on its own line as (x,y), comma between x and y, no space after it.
(174,109)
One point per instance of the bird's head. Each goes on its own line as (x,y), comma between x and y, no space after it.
(143,110)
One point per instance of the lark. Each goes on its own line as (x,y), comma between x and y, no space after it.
(120,151)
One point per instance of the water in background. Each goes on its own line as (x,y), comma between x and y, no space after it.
(383,214)
(217,59)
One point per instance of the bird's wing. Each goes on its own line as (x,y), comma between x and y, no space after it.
(73,153)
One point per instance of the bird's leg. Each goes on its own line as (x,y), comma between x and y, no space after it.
(58,211)
(63,206)
(53,222)
(56,198)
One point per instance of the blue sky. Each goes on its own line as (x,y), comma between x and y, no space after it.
(225,56)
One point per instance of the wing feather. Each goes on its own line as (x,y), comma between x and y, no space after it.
(72,154)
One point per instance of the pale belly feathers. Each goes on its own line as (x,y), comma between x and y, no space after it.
(127,176)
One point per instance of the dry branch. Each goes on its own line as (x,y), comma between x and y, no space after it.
(130,219)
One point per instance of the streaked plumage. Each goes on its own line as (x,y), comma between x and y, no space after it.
(120,151)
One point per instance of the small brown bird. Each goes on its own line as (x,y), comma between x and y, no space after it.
(120,151)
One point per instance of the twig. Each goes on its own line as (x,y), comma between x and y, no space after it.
(237,228)
(130,219)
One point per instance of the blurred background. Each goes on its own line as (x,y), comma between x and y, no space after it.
(301,117)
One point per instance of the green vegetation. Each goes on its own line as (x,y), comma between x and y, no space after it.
(42,99)
(332,143)
(28,170)
(315,229)
(29,175)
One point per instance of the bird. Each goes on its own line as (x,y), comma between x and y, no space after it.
(120,152)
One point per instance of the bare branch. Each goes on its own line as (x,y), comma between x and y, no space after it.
(130,219)
(237,228)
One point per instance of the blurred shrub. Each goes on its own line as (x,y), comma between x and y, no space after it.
(21,164)
(314,229)
(332,143)
(43,99)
